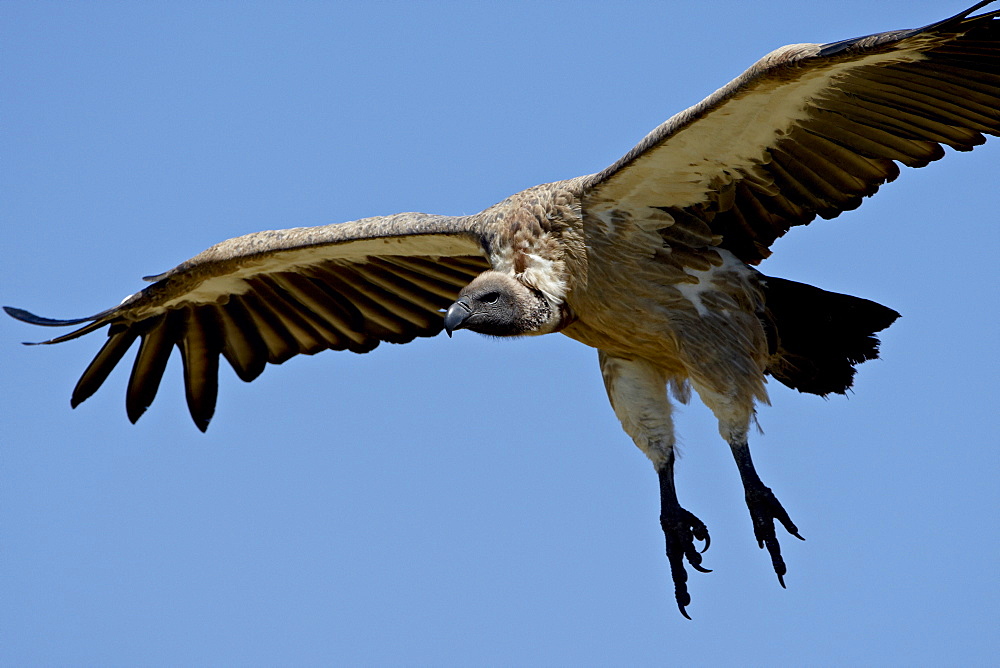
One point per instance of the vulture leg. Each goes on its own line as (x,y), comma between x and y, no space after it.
(680,528)
(734,411)
(638,394)
(764,508)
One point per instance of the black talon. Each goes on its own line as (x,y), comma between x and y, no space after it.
(680,530)
(764,509)
(698,532)
(677,532)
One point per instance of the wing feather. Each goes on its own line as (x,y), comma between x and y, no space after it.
(380,320)
(338,310)
(867,170)
(451,275)
(323,315)
(200,348)
(972,79)
(421,277)
(405,291)
(873,137)
(120,339)
(243,345)
(417,319)
(269,296)
(157,341)
(906,89)
(822,124)
(283,315)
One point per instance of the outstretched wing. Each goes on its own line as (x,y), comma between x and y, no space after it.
(809,130)
(269,296)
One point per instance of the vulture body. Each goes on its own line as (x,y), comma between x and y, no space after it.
(651,261)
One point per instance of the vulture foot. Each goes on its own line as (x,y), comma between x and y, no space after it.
(764,509)
(681,529)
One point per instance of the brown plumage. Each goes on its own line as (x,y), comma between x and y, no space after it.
(649,261)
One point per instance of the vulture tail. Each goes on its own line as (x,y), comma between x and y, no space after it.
(817,337)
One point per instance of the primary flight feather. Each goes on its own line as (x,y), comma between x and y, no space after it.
(650,261)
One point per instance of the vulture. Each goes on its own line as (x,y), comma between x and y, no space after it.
(651,261)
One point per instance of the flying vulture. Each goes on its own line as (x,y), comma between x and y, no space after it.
(650,261)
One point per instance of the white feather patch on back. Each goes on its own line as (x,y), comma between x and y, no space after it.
(693,292)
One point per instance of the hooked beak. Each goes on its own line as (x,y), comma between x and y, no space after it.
(456,316)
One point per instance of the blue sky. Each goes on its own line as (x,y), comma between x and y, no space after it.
(461,501)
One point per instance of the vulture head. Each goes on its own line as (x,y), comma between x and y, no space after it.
(498,304)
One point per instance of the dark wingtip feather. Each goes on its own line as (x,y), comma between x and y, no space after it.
(120,339)
(93,323)
(951,22)
(134,412)
(31,318)
(150,362)
(200,347)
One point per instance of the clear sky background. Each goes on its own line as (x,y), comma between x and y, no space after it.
(459,501)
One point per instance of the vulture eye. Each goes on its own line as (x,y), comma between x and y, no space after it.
(490,297)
